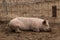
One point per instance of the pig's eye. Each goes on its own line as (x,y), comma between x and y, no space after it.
(44,22)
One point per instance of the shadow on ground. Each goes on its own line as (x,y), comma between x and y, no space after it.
(29,35)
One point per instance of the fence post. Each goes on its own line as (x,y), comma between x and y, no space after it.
(5,6)
(5,9)
(54,12)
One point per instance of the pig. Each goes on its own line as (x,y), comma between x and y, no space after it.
(29,23)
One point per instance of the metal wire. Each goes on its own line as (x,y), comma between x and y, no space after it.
(20,7)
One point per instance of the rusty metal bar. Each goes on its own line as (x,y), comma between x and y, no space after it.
(54,11)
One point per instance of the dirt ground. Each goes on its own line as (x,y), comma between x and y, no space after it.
(29,35)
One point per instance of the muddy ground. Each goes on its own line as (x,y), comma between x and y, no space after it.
(29,35)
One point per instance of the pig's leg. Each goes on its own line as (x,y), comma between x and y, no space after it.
(47,30)
(36,30)
(17,30)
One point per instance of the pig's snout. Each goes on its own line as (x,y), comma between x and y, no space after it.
(48,30)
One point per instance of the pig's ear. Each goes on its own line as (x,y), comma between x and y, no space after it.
(44,22)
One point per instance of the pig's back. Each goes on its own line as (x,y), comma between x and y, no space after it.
(31,21)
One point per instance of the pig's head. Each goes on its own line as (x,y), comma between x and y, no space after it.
(45,25)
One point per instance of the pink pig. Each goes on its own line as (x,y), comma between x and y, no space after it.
(29,23)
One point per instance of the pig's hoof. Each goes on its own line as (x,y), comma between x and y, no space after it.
(18,31)
(47,30)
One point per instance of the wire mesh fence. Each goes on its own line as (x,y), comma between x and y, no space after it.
(29,8)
